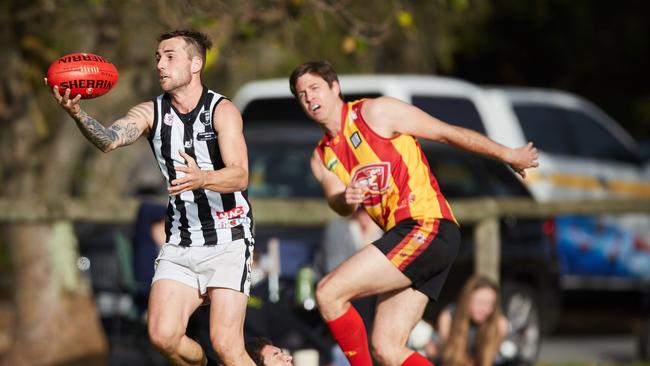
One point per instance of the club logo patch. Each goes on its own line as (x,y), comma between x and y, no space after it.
(374,180)
(204,117)
(168,119)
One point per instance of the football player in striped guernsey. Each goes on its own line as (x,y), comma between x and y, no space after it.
(197,138)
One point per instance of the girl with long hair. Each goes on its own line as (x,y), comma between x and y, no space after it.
(472,330)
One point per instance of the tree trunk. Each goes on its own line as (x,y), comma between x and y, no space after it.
(56,321)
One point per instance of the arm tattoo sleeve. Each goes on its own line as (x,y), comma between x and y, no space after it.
(103,137)
(128,133)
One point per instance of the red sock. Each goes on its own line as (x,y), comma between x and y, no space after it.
(416,359)
(350,333)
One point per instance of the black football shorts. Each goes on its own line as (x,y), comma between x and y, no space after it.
(423,250)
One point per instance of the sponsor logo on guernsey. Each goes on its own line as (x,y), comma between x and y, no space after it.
(353,115)
(168,119)
(406,201)
(227,224)
(206,136)
(230,214)
(188,144)
(355,139)
(332,163)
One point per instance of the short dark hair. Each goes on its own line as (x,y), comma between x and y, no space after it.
(254,348)
(200,41)
(322,68)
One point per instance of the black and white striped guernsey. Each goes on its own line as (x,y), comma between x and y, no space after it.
(200,217)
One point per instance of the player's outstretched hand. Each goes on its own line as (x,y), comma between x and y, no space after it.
(70,105)
(523,158)
(194,177)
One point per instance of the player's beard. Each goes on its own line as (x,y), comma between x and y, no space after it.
(176,82)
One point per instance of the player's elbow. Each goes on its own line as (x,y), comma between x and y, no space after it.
(242,181)
(107,147)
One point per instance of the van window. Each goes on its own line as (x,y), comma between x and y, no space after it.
(542,125)
(353,97)
(593,140)
(284,109)
(273,109)
(581,135)
(465,175)
(280,141)
(459,111)
(281,170)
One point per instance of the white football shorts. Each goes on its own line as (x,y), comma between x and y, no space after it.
(225,265)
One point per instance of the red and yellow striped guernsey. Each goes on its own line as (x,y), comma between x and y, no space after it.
(394,171)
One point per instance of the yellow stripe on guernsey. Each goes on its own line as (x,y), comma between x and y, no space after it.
(366,155)
(420,179)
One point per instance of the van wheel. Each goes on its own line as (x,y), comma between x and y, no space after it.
(644,339)
(521,307)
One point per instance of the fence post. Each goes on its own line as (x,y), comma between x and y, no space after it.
(487,251)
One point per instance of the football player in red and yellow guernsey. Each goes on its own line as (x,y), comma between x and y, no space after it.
(370,157)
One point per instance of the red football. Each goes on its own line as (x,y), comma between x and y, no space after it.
(83,73)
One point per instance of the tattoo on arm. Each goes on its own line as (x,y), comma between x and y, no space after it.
(128,132)
(94,131)
(103,137)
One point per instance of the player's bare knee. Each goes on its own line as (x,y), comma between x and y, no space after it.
(378,354)
(165,340)
(385,354)
(324,292)
(232,357)
(384,350)
(227,348)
